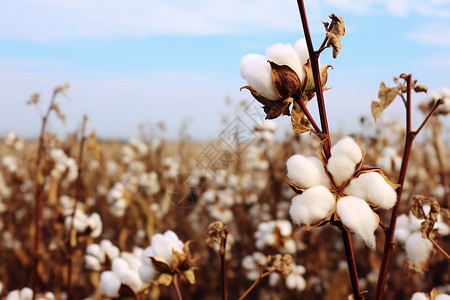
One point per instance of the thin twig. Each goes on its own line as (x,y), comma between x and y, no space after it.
(351,263)
(439,248)
(77,200)
(261,276)
(223,264)
(308,115)
(177,288)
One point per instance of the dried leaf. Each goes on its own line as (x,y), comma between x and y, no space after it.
(324,76)
(285,80)
(300,123)
(273,109)
(403,76)
(160,264)
(126,291)
(420,88)
(337,30)
(34,99)
(334,42)
(179,260)
(386,96)
(189,275)
(165,279)
(431,218)
(60,115)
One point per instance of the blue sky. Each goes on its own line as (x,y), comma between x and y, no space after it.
(145,61)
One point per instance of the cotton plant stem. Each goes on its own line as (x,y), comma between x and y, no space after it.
(38,197)
(77,200)
(308,114)
(439,248)
(389,243)
(261,276)
(177,288)
(351,263)
(223,265)
(314,58)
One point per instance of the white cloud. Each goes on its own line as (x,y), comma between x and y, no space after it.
(50,20)
(435,34)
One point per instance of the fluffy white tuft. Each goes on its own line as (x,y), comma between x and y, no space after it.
(349,148)
(341,168)
(312,205)
(304,171)
(402,230)
(131,279)
(164,244)
(419,296)
(373,188)
(146,273)
(257,71)
(285,55)
(357,215)
(110,284)
(323,176)
(418,249)
(442,297)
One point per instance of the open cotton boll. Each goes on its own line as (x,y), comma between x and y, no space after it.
(146,273)
(302,171)
(349,148)
(302,51)
(92,263)
(285,55)
(26,294)
(442,297)
(323,176)
(341,168)
(418,249)
(110,284)
(402,231)
(295,281)
(312,205)
(285,227)
(13,295)
(131,279)
(419,296)
(357,215)
(118,264)
(96,250)
(164,245)
(258,73)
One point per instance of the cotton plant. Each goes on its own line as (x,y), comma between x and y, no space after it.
(123,276)
(339,189)
(416,234)
(99,255)
(82,223)
(133,150)
(118,198)
(13,140)
(166,259)
(276,233)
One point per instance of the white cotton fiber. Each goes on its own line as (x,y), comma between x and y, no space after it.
(26,294)
(110,284)
(13,295)
(285,55)
(419,296)
(92,263)
(373,188)
(324,179)
(442,297)
(302,51)
(258,73)
(418,249)
(285,227)
(146,273)
(312,205)
(341,168)
(357,215)
(303,171)
(349,148)
(131,279)
(96,250)
(118,264)
(402,231)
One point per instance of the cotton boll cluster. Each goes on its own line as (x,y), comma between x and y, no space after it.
(251,265)
(389,159)
(124,270)
(83,223)
(27,294)
(294,281)
(133,150)
(10,162)
(265,130)
(256,70)
(13,140)
(162,246)
(423,296)
(345,155)
(276,234)
(255,159)
(149,183)
(407,232)
(97,255)
(64,166)
(118,199)
(171,167)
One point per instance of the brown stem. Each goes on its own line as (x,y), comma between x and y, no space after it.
(77,199)
(261,276)
(308,114)
(177,288)
(439,248)
(223,265)
(38,195)
(314,58)
(351,263)
(389,243)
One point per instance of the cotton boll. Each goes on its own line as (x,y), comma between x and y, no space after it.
(285,227)
(164,245)
(95,223)
(357,215)
(258,73)
(418,249)
(26,294)
(302,171)
(442,297)
(302,51)
(110,284)
(131,279)
(402,231)
(295,281)
(312,205)
(146,273)
(341,168)
(92,263)
(324,179)
(419,296)
(289,246)
(13,295)
(285,55)
(349,148)
(118,264)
